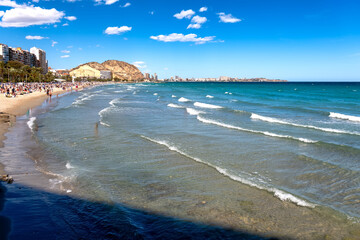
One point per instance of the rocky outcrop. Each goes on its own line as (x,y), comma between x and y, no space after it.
(123,71)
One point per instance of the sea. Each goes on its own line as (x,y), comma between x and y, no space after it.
(188,161)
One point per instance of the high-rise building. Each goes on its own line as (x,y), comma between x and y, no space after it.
(41,57)
(147,76)
(155,77)
(4,52)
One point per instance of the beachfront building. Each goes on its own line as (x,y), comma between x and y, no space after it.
(40,58)
(4,52)
(33,58)
(91,70)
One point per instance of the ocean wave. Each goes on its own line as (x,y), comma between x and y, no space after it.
(205,105)
(192,111)
(344,117)
(283,196)
(208,121)
(209,96)
(155,94)
(105,124)
(173,96)
(182,99)
(174,105)
(31,123)
(274,120)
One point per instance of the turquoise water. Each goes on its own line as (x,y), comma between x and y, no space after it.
(167,147)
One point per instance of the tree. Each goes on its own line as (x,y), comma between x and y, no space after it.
(2,70)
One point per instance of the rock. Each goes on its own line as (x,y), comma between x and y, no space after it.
(120,71)
(123,71)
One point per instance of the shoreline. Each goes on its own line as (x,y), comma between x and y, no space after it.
(10,109)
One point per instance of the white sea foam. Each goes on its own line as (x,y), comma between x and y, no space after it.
(105,124)
(173,96)
(205,105)
(112,102)
(283,196)
(31,123)
(208,121)
(174,105)
(209,96)
(344,117)
(274,120)
(192,111)
(68,166)
(155,94)
(105,111)
(182,99)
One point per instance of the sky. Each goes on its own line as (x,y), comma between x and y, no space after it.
(296,40)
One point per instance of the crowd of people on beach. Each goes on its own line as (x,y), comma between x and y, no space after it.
(11,90)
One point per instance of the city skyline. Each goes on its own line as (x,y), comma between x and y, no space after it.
(243,39)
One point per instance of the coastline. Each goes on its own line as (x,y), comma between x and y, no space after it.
(10,109)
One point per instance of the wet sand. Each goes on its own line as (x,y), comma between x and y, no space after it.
(10,108)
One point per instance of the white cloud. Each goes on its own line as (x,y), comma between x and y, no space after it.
(65,24)
(126,5)
(117,30)
(228,18)
(65,51)
(9,3)
(179,37)
(24,16)
(36,1)
(71,18)
(196,22)
(53,43)
(29,37)
(65,56)
(195,26)
(185,14)
(203,9)
(140,64)
(151,13)
(106,2)
(2,13)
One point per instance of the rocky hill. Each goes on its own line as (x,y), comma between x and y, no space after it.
(120,70)
(123,71)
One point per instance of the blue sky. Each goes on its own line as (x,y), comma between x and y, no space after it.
(292,39)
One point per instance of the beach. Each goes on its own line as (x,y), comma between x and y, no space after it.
(173,157)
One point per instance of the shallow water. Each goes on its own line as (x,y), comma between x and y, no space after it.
(260,157)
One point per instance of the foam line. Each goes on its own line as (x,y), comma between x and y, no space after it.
(208,121)
(205,105)
(274,120)
(344,117)
(283,196)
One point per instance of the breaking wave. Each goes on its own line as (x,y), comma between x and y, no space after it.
(208,121)
(274,120)
(182,99)
(205,105)
(283,196)
(344,117)
(192,111)
(209,96)
(174,105)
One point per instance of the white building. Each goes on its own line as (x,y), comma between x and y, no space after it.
(4,53)
(41,57)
